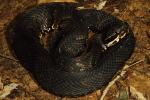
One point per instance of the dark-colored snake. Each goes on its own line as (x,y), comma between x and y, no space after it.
(70,52)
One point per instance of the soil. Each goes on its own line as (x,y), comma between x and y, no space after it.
(135,12)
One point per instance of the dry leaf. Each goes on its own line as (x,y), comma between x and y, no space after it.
(7,90)
(138,95)
(100,5)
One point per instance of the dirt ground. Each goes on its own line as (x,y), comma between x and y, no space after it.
(134,85)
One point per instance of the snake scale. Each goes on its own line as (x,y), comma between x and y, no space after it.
(70,52)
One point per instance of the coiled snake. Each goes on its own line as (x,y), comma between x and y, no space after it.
(70,52)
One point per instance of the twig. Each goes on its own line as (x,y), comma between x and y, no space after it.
(117,78)
(136,62)
(9,58)
(139,71)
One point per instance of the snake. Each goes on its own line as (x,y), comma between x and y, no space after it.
(69,51)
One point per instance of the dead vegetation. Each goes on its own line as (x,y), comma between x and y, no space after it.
(133,85)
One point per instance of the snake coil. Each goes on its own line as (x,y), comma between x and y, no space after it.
(70,52)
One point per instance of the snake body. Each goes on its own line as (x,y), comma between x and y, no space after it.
(70,62)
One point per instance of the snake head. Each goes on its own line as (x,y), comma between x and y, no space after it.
(110,34)
(118,32)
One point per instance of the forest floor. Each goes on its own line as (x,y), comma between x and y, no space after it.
(134,85)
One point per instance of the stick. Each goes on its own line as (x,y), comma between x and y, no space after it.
(136,62)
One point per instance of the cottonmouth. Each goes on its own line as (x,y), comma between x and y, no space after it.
(70,52)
